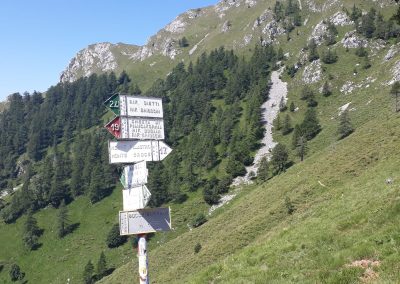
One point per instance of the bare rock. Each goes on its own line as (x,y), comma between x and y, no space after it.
(319,32)
(313,72)
(341,19)
(352,40)
(394,49)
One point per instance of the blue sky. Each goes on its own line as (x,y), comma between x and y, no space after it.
(38,38)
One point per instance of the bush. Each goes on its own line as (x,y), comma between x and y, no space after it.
(197,248)
(199,220)
(16,273)
(114,239)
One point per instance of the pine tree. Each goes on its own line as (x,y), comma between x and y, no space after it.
(395,91)
(101,266)
(312,51)
(88,273)
(345,127)
(113,238)
(292,107)
(287,125)
(263,170)
(31,232)
(282,105)
(366,63)
(310,125)
(280,158)
(301,148)
(326,91)
(62,220)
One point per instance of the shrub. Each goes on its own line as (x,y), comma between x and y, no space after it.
(197,248)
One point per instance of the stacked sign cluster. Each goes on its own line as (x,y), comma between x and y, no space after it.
(139,129)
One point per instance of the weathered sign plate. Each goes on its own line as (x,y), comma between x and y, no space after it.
(134,175)
(135,198)
(136,151)
(136,128)
(144,221)
(140,106)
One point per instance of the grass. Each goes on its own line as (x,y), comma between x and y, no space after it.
(354,215)
(344,210)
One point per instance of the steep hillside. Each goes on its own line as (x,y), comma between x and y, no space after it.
(345,196)
(332,218)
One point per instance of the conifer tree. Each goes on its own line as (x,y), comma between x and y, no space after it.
(31,232)
(101,266)
(312,51)
(287,125)
(345,126)
(263,170)
(292,107)
(280,158)
(88,273)
(114,239)
(62,220)
(310,125)
(302,147)
(395,92)
(326,90)
(282,105)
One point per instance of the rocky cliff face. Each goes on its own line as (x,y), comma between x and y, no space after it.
(235,24)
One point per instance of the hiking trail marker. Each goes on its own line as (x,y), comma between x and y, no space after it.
(138,127)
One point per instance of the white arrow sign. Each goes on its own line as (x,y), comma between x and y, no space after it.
(134,175)
(135,198)
(135,151)
(144,221)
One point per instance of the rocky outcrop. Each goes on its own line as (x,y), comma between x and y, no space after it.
(96,57)
(318,33)
(353,40)
(341,19)
(313,72)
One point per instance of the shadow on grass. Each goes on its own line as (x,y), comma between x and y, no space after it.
(71,228)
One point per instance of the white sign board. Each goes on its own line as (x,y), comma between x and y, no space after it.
(140,106)
(142,128)
(136,151)
(134,175)
(135,198)
(144,221)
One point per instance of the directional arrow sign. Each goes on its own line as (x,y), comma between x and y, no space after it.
(135,151)
(113,103)
(144,221)
(135,198)
(136,128)
(125,105)
(134,175)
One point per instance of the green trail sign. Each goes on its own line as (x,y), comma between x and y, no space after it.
(113,103)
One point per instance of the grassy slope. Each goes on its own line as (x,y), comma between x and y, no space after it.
(353,215)
(254,234)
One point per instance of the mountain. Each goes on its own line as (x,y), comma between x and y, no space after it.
(324,210)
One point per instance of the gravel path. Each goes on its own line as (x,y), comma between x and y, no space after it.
(270,111)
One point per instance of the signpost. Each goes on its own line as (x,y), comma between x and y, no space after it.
(135,198)
(132,151)
(126,105)
(144,221)
(134,175)
(138,128)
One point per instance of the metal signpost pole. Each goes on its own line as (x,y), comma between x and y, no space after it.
(143,262)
